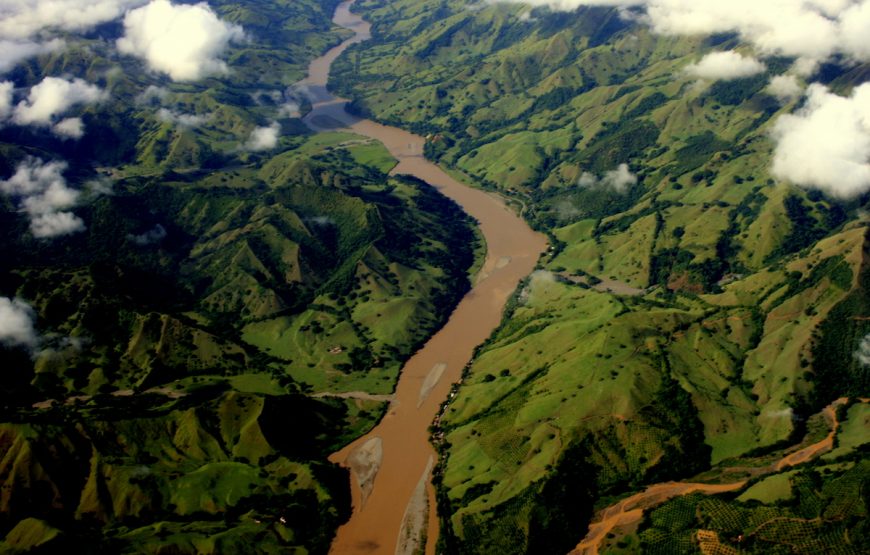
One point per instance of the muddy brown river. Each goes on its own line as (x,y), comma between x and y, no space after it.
(393,499)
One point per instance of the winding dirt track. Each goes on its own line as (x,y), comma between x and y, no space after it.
(630,510)
(398,512)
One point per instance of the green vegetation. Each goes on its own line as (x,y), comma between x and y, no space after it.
(824,509)
(173,402)
(688,321)
(682,321)
(142,473)
(323,277)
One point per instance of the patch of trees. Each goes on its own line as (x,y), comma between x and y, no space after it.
(806,229)
(838,371)
(682,421)
(620,141)
(648,104)
(737,91)
(697,151)
(564,503)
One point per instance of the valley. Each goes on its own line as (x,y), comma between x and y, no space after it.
(216,294)
(389,514)
(725,282)
(434,276)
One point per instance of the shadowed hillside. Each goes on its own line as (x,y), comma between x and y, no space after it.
(173,389)
(694,309)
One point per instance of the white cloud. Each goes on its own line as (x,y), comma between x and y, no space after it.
(182,119)
(785,87)
(854,30)
(14,51)
(264,138)
(44,196)
(290,109)
(786,413)
(587,180)
(16,323)
(152,95)
(56,196)
(826,144)
(55,224)
(54,96)
(24,18)
(863,352)
(808,29)
(321,220)
(153,235)
(6,90)
(542,276)
(99,187)
(183,41)
(619,179)
(33,176)
(69,128)
(725,66)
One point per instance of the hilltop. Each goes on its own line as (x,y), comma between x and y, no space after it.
(695,308)
(199,308)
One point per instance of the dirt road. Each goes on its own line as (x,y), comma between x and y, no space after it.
(630,510)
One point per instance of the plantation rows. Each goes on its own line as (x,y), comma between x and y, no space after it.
(826,513)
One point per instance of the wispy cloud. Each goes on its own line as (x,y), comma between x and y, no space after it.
(12,52)
(619,179)
(813,30)
(152,95)
(7,89)
(181,118)
(17,323)
(23,19)
(863,352)
(45,197)
(725,66)
(153,235)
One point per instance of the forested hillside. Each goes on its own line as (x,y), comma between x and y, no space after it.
(696,307)
(190,276)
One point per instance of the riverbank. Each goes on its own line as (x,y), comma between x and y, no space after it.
(397,507)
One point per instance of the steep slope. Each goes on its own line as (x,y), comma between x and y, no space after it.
(693,309)
(322,284)
(196,334)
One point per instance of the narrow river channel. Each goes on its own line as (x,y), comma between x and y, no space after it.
(393,499)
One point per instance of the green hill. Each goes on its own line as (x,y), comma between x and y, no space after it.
(692,318)
(316,275)
(696,313)
(180,395)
